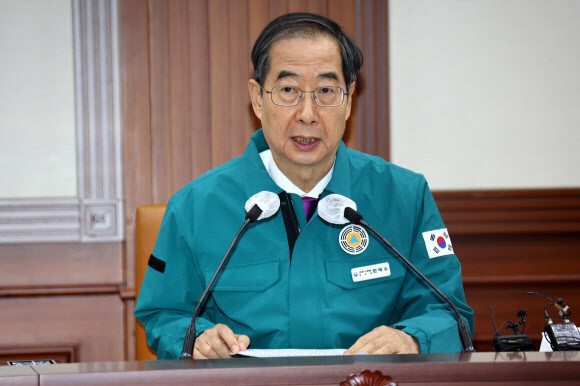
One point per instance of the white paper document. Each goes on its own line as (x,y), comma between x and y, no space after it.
(290,352)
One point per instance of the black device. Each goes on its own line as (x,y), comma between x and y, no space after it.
(564,335)
(35,362)
(516,342)
(339,206)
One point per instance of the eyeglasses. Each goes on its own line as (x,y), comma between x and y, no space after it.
(326,96)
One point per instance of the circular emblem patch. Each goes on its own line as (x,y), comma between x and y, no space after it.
(353,239)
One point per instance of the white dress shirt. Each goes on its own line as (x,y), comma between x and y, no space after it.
(284,183)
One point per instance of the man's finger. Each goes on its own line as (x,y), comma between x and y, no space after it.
(355,348)
(243,342)
(361,342)
(197,354)
(219,347)
(386,349)
(204,347)
(229,339)
(373,346)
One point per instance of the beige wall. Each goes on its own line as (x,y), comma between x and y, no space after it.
(37,112)
(485,94)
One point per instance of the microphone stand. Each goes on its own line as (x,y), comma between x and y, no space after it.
(190,335)
(464,335)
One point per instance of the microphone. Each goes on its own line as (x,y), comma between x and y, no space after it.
(514,326)
(522,315)
(493,321)
(343,210)
(563,309)
(260,206)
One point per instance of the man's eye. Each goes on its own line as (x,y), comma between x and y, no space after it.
(326,90)
(288,90)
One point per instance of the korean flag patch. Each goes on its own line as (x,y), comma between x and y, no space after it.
(438,243)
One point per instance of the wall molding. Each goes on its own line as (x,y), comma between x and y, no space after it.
(517,281)
(61,290)
(61,353)
(39,220)
(525,211)
(96,214)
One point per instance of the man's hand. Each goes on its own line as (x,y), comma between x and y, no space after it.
(385,340)
(217,342)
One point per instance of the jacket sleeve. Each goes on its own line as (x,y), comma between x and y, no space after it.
(422,313)
(167,299)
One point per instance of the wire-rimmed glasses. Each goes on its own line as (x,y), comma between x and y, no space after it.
(325,96)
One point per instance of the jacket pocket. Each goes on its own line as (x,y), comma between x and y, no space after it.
(339,272)
(245,277)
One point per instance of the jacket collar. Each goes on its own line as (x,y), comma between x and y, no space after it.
(257,177)
(341,181)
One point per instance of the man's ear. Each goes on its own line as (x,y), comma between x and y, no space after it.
(256,97)
(349,98)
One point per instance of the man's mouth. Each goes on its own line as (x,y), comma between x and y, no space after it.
(305,140)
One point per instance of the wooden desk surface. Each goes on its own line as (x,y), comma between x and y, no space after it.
(530,368)
(18,375)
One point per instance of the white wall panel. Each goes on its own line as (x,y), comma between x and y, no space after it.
(486,94)
(48,202)
(37,104)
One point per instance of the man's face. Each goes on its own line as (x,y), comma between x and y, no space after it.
(305,136)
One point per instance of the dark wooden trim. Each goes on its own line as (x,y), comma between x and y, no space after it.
(526,211)
(136,118)
(470,281)
(129,323)
(127,294)
(372,100)
(61,290)
(61,353)
(508,280)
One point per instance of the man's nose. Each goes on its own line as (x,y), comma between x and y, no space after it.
(307,110)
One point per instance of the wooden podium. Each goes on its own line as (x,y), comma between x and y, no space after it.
(525,368)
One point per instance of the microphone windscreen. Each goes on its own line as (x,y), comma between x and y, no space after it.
(267,201)
(331,208)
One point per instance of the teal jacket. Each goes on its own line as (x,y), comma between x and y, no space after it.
(308,299)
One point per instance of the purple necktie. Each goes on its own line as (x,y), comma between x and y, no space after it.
(309,204)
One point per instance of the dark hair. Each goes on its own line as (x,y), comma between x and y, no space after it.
(305,25)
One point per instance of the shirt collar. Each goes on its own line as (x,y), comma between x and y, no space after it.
(284,182)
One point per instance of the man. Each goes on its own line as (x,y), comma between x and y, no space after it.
(293,280)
